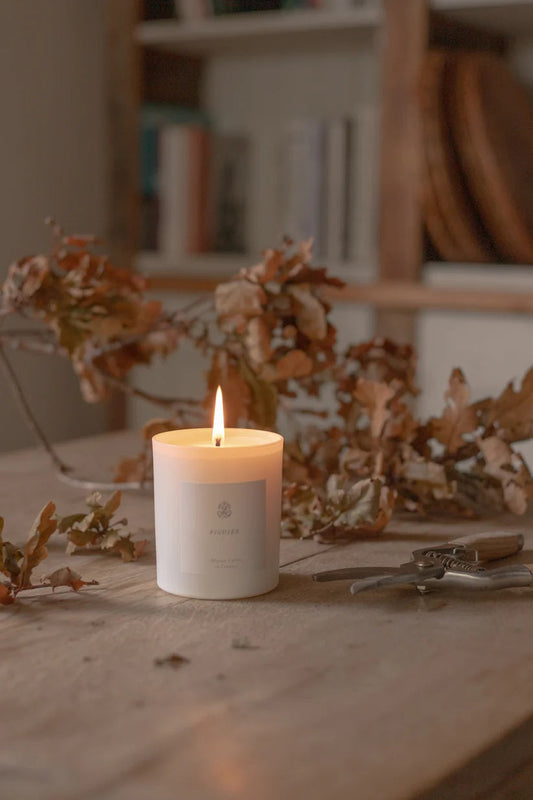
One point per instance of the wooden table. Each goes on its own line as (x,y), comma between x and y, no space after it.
(385,696)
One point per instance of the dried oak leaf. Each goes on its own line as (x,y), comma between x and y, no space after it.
(302,510)
(508,467)
(353,506)
(295,364)
(6,596)
(375,398)
(239,298)
(10,557)
(310,312)
(458,417)
(257,342)
(34,551)
(384,361)
(65,576)
(99,529)
(512,412)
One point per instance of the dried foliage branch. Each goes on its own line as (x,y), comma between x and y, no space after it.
(17,562)
(272,348)
(96,530)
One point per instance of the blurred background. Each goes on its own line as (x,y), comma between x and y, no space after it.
(193,134)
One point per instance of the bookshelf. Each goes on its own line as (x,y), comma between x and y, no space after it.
(388,40)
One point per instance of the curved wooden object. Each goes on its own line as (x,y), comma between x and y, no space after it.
(449,211)
(493,130)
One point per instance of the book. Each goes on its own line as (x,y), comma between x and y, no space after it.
(337,189)
(363,185)
(229,196)
(302,181)
(182,183)
(153,117)
(193,10)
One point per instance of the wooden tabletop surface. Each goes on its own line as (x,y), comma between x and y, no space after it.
(387,695)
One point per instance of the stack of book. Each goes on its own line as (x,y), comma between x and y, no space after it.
(325,166)
(194,185)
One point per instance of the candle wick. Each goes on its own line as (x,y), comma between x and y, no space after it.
(217,441)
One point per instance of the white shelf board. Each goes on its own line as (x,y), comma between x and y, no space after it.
(507,17)
(266,30)
(486,277)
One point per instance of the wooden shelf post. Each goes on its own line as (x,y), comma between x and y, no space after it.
(406,31)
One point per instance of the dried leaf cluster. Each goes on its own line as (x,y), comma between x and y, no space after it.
(96,530)
(272,348)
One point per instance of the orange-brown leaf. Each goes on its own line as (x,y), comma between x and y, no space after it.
(6,598)
(65,576)
(374,397)
(458,417)
(35,548)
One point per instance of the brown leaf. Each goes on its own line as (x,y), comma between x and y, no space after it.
(510,469)
(512,412)
(374,397)
(65,576)
(112,504)
(458,417)
(35,548)
(295,364)
(6,597)
(310,312)
(239,298)
(257,342)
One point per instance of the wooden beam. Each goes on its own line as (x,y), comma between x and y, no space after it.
(406,31)
(397,296)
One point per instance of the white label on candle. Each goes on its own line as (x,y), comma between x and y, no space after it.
(222,526)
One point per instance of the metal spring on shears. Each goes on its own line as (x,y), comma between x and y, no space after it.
(449,562)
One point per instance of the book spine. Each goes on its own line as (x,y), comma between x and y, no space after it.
(198,176)
(363,186)
(336,183)
(303,171)
(173,169)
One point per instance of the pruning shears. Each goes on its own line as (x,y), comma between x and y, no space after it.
(459,563)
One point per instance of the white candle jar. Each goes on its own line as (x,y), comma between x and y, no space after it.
(217,512)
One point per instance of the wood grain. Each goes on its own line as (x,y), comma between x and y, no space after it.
(383,295)
(449,211)
(335,688)
(405,37)
(492,124)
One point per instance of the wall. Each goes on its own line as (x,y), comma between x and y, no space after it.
(52,162)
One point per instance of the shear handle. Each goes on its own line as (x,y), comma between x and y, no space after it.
(491,546)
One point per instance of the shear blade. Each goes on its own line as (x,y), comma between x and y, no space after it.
(405,574)
(348,573)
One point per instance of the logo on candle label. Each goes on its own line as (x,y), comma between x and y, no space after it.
(224,510)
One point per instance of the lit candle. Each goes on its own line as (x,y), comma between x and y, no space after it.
(217,499)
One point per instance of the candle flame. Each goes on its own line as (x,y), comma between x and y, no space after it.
(218,420)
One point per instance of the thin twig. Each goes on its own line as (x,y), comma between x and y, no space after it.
(175,404)
(18,394)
